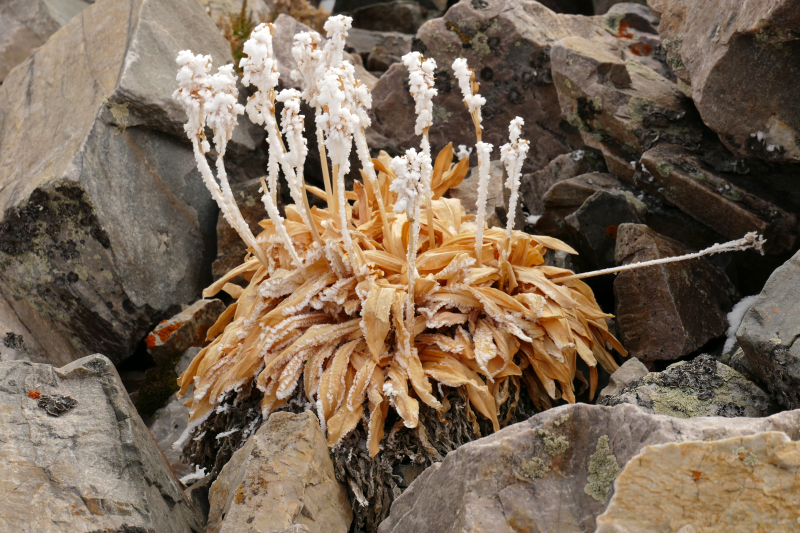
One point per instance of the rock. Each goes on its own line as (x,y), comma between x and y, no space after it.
(635,16)
(730,205)
(769,333)
(566,196)
(692,483)
(285,28)
(405,16)
(223,11)
(739,362)
(108,230)
(667,311)
(627,373)
(282,476)
(507,43)
(553,472)
(596,222)
(197,493)
(565,166)
(740,63)
(614,97)
(388,51)
(700,387)
(16,341)
(602,6)
(89,464)
(168,424)
(172,337)
(26,24)
(362,42)
(467,192)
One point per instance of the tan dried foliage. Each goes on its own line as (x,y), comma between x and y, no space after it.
(475,328)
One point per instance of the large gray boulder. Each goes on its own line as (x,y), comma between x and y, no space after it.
(739,62)
(77,457)
(553,472)
(768,335)
(26,25)
(106,224)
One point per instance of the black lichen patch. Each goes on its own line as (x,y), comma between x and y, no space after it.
(55,404)
(14,341)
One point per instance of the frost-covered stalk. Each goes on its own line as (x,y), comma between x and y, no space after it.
(420,81)
(751,240)
(407,170)
(484,152)
(261,69)
(513,155)
(339,124)
(469,87)
(294,160)
(309,59)
(474,101)
(212,100)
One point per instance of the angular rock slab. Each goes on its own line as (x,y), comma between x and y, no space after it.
(553,472)
(534,186)
(94,467)
(507,43)
(281,478)
(740,59)
(667,311)
(768,335)
(107,225)
(26,25)
(747,483)
(700,387)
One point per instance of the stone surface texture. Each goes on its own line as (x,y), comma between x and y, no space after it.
(748,483)
(282,477)
(507,43)
(740,60)
(768,335)
(700,387)
(405,16)
(26,24)
(95,467)
(565,166)
(107,226)
(168,425)
(553,472)
(628,372)
(667,311)
(467,192)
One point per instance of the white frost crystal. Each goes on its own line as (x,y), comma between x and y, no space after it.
(406,182)
(463,151)
(420,81)
(193,88)
(222,107)
(484,152)
(463,75)
(513,155)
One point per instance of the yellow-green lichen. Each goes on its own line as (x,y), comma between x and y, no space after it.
(535,468)
(441,113)
(665,168)
(555,445)
(561,420)
(603,470)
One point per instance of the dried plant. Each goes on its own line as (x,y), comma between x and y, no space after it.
(392,286)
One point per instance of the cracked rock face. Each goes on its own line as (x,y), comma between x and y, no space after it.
(281,478)
(769,332)
(553,472)
(508,45)
(701,387)
(694,484)
(740,60)
(90,464)
(667,311)
(106,223)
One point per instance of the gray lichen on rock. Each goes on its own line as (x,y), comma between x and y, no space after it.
(702,387)
(603,470)
(535,468)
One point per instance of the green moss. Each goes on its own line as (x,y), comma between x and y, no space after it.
(535,468)
(603,470)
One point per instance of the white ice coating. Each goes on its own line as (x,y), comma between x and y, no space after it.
(420,81)
(513,156)
(336,28)
(463,75)
(338,122)
(463,151)
(259,68)
(308,56)
(406,182)
(193,87)
(484,153)
(222,107)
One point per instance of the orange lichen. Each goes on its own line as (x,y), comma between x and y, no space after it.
(696,475)
(611,231)
(623,33)
(641,49)
(34,394)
